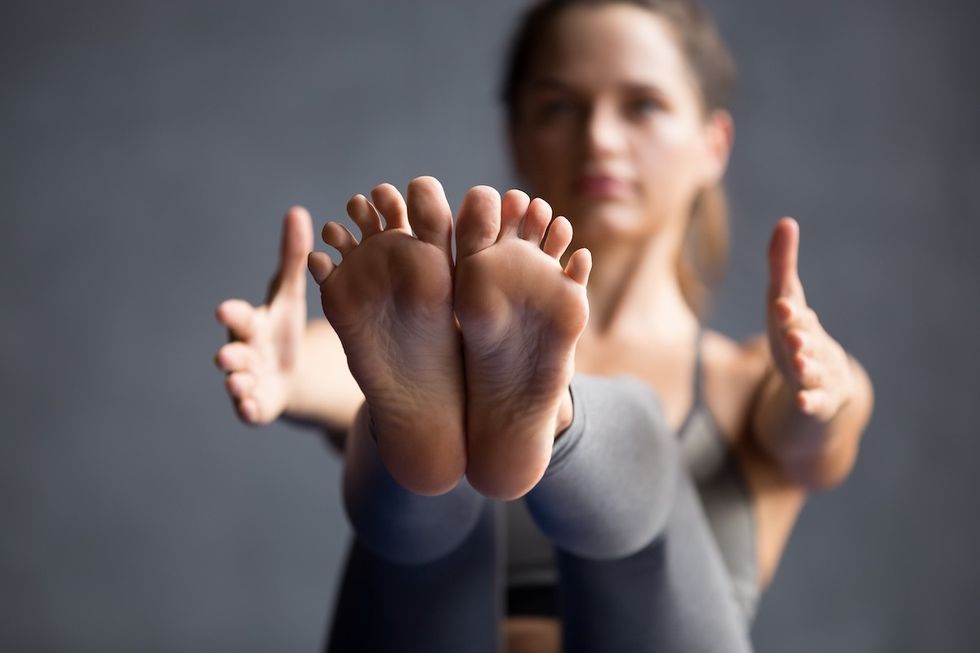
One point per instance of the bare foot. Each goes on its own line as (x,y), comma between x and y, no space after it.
(390,302)
(521,315)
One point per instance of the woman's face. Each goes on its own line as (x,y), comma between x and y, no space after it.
(610,128)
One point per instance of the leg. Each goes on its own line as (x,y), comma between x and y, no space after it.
(610,484)
(642,571)
(390,302)
(421,573)
(521,314)
(619,461)
(445,606)
(673,595)
(448,598)
(393,522)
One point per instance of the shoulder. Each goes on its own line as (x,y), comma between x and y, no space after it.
(733,373)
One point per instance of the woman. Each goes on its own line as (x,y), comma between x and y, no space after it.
(498,374)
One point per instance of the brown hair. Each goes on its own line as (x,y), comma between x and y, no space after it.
(704,252)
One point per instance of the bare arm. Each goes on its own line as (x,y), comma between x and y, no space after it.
(322,392)
(815,399)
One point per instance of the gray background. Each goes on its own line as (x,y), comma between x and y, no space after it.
(148,150)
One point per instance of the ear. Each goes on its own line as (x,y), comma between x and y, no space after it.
(719,137)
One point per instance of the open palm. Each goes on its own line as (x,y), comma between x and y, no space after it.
(265,341)
(813,364)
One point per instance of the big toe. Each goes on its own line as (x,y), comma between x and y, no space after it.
(429,213)
(479,221)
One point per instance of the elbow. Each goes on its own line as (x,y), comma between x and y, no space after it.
(827,469)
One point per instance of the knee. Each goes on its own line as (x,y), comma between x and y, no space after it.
(409,529)
(613,493)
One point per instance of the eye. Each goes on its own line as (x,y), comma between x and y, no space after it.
(555,107)
(643,106)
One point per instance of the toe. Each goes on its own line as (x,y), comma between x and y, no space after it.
(558,238)
(320,266)
(339,237)
(479,221)
(513,206)
(579,266)
(536,221)
(364,215)
(391,204)
(429,214)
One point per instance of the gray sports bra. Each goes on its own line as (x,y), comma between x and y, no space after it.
(725,496)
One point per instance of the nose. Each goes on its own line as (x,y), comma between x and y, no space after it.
(604,133)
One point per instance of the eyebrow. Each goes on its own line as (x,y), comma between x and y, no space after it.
(554,83)
(548,83)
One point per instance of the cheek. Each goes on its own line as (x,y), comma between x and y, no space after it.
(545,159)
(667,163)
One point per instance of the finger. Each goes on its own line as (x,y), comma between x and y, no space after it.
(815,401)
(558,238)
(392,206)
(809,372)
(536,221)
(234,357)
(320,266)
(240,384)
(513,206)
(783,253)
(238,316)
(364,215)
(798,342)
(579,266)
(248,410)
(339,237)
(294,246)
(793,314)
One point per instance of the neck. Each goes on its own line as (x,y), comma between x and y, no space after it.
(634,289)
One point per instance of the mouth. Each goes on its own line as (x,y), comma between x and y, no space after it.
(600,186)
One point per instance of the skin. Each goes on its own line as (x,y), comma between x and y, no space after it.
(612,132)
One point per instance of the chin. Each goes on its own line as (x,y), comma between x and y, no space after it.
(600,223)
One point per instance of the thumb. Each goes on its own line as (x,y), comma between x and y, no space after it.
(784,247)
(295,245)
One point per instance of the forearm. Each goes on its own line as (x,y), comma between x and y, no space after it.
(815,453)
(323,392)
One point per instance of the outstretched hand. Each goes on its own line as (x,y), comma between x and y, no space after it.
(814,366)
(264,341)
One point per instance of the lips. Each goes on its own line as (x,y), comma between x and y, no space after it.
(600,186)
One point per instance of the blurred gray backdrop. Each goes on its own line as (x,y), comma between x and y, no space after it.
(147,152)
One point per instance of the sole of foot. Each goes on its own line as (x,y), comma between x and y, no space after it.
(521,314)
(390,301)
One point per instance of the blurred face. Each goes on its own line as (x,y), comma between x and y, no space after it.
(611,129)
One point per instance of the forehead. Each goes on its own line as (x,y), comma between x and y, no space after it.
(595,47)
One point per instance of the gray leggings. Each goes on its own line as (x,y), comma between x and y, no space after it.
(639,569)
